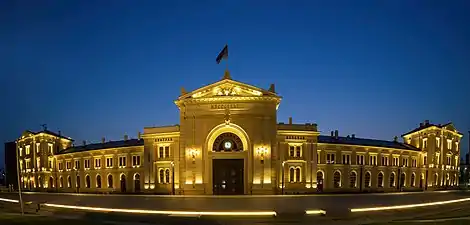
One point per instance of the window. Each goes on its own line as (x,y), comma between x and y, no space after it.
(122,161)
(425,160)
(69,182)
(78,181)
(373,160)
(330,158)
(38,163)
(167,176)
(77,164)
(456,160)
(438,142)
(97,163)
(87,181)
(68,165)
(27,147)
(109,162)
(162,176)
(298,151)
(38,147)
(87,164)
(98,181)
(425,142)
(291,151)
(337,179)
(50,148)
(297,175)
(352,179)
(448,160)
(318,157)
(437,158)
(395,161)
(405,162)
(136,160)
(110,181)
(21,165)
(414,162)
(436,180)
(360,160)
(161,152)
(294,174)
(380,180)
(28,164)
(346,159)
(167,151)
(61,166)
(20,151)
(367,180)
(456,146)
(412,180)
(392,180)
(384,160)
(449,144)
(51,163)
(61,182)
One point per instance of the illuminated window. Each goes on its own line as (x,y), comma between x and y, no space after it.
(448,160)
(360,160)
(161,152)
(98,181)
(405,162)
(68,165)
(97,163)
(425,160)
(380,180)
(337,179)
(87,164)
(50,148)
(20,150)
(438,158)
(136,160)
(38,163)
(449,144)
(298,151)
(436,180)
(167,176)
(384,160)
(291,151)
(412,180)
(87,181)
(318,157)
(27,147)
(373,160)
(330,158)
(297,175)
(294,174)
(38,145)
(414,162)
(438,142)
(61,166)
(21,164)
(69,182)
(110,181)
(77,164)
(425,142)
(61,182)
(346,159)
(28,164)
(367,180)
(456,146)
(109,162)
(395,161)
(392,180)
(122,161)
(78,182)
(352,179)
(51,163)
(456,160)
(162,176)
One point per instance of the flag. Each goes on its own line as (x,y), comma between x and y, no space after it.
(222,55)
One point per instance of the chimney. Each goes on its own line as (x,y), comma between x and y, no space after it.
(420,124)
(395,139)
(139,135)
(103,140)
(126,137)
(353,135)
(336,134)
(84,143)
(290,120)
(272,88)
(332,133)
(426,122)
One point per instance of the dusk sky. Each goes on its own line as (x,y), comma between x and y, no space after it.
(374,68)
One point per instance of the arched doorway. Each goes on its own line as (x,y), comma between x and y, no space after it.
(320,179)
(123,183)
(136,182)
(51,182)
(403,180)
(87,181)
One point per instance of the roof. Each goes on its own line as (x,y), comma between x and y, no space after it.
(365,142)
(106,145)
(427,125)
(50,133)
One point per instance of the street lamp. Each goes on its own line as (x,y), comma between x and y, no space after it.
(282,187)
(173,178)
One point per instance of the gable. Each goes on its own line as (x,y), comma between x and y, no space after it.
(227,87)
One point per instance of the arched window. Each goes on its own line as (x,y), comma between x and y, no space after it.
(162,176)
(412,184)
(136,182)
(227,142)
(98,181)
(297,175)
(87,181)
(61,182)
(320,177)
(291,174)
(337,179)
(403,180)
(69,182)
(392,180)
(367,180)
(110,181)
(51,182)
(352,179)
(78,181)
(380,180)
(167,176)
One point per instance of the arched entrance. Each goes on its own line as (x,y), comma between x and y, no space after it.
(136,182)
(320,179)
(123,183)
(227,146)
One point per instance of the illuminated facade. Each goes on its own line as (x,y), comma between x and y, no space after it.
(229,142)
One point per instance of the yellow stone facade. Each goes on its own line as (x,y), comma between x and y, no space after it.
(228,141)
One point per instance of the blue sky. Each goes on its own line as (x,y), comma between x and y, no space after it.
(373,68)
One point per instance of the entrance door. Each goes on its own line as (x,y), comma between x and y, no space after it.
(227,176)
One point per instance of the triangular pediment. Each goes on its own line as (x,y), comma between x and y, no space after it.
(228,87)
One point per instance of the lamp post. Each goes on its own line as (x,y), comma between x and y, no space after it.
(282,186)
(173,178)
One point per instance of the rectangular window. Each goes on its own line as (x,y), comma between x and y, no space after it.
(21,165)
(438,142)
(425,143)
(50,148)
(51,165)
(68,165)
(414,162)
(298,151)
(77,164)
(448,160)
(28,150)
(122,161)
(38,163)
(346,159)
(360,159)
(20,151)
(291,151)
(38,147)
(449,144)
(161,152)
(28,164)
(136,160)
(384,160)
(109,162)
(87,164)
(61,166)
(405,162)
(330,158)
(97,163)
(395,161)
(373,160)
(167,151)
(437,158)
